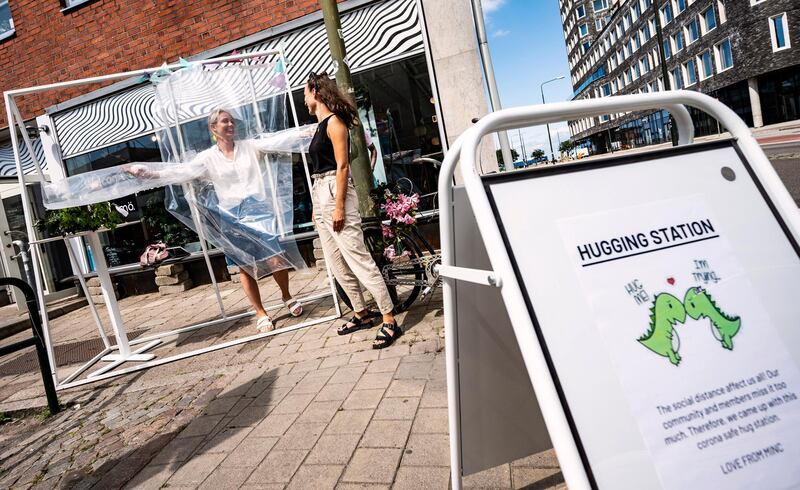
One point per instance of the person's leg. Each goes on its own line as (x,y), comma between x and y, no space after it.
(350,243)
(250,287)
(333,258)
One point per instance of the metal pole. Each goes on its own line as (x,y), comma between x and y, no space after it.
(522,144)
(662,60)
(491,83)
(359,158)
(549,138)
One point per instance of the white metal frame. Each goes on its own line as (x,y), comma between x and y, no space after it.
(123,346)
(502,275)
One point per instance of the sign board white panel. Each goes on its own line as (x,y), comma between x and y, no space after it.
(663,288)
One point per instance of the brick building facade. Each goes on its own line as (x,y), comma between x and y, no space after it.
(52,44)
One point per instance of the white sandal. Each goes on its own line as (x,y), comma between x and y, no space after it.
(294,307)
(264,324)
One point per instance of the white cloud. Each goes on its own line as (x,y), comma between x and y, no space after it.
(501,33)
(491,5)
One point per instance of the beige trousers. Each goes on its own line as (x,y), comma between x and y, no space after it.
(345,251)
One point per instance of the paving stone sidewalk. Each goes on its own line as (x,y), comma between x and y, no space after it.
(304,409)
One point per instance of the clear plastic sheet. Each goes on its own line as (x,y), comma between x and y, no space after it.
(116,182)
(242,205)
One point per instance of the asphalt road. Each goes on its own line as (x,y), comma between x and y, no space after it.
(785,158)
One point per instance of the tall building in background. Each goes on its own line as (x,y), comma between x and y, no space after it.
(746,53)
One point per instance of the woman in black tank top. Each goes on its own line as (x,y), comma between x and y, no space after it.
(336,209)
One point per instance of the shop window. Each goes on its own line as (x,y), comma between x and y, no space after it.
(779,31)
(6,21)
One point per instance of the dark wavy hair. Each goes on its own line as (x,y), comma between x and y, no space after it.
(329,94)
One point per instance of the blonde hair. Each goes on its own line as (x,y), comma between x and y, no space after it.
(213,117)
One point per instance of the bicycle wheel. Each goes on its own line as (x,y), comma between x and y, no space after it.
(403,281)
(404,278)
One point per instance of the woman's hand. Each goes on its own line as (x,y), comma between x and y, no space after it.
(338,219)
(141,172)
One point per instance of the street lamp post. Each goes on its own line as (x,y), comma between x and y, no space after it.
(549,138)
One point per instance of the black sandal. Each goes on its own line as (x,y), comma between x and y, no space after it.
(384,336)
(355,324)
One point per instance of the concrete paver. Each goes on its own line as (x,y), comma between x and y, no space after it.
(307,409)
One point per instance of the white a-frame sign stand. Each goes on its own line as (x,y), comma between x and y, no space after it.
(639,311)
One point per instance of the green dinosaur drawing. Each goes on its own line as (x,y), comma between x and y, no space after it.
(699,304)
(667,310)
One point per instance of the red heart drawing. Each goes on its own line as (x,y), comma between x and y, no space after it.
(671,281)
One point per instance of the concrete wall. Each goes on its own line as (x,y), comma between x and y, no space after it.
(457,66)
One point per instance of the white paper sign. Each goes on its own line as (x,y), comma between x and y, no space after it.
(713,389)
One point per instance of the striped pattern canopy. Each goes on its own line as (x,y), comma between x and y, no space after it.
(8,166)
(377,34)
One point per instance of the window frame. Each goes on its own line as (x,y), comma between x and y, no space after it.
(719,57)
(690,73)
(70,8)
(701,65)
(704,24)
(688,31)
(12,30)
(773,33)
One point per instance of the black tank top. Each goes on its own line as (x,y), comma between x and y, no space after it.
(321,149)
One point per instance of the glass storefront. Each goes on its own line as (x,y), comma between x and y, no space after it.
(780,95)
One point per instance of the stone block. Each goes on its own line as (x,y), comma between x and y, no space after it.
(320,264)
(169,270)
(93,282)
(318,253)
(317,243)
(177,288)
(233,269)
(172,280)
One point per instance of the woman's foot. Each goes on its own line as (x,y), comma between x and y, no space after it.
(355,324)
(264,324)
(387,334)
(294,307)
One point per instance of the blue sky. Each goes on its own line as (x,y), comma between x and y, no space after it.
(527,48)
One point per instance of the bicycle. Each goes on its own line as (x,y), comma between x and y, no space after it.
(407,278)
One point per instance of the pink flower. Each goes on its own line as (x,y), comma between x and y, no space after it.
(389,252)
(387,231)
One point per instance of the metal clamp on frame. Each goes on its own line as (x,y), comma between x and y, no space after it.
(475,276)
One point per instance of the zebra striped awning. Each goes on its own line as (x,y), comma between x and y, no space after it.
(374,35)
(8,166)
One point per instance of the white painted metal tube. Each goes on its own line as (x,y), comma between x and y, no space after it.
(82,280)
(186,355)
(134,73)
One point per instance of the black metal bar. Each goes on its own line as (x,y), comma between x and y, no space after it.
(22,344)
(37,339)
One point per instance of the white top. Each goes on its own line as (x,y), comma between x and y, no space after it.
(236,179)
